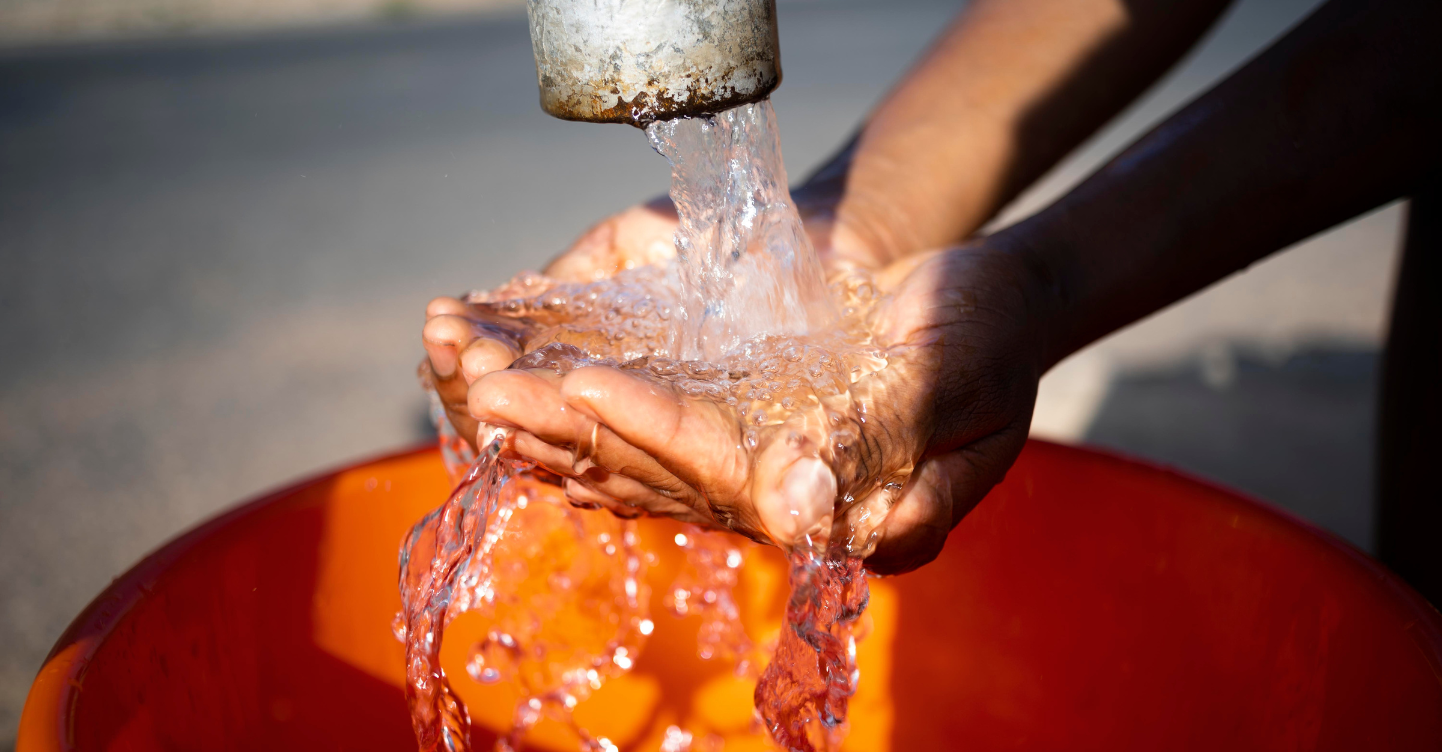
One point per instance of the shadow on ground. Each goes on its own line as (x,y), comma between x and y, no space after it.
(1295,429)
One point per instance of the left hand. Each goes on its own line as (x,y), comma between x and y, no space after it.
(946,418)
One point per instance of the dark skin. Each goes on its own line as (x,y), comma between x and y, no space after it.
(1338,117)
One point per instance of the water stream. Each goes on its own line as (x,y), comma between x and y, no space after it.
(745,318)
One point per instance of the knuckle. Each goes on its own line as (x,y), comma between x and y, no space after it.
(443,304)
(491,396)
(447,330)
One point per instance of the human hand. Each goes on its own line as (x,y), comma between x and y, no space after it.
(943,421)
(464,341)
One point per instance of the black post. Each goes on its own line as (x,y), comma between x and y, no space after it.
(1409,430)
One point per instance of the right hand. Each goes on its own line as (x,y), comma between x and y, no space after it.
(946,419)
(464,342)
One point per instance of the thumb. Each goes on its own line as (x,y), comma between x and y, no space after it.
(942,491)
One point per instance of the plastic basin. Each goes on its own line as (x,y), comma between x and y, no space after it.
(1090,602)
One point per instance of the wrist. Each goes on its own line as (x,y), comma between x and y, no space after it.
(1049,292)
(856,218)
(842,235)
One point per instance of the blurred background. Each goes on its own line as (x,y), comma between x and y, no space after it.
(220,223)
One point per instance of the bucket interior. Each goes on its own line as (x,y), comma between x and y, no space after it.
(1088,603)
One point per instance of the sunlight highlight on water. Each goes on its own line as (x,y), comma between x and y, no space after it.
(743,318)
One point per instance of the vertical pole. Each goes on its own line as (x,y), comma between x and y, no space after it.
(1409,431)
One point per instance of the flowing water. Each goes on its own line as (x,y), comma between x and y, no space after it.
(743,318)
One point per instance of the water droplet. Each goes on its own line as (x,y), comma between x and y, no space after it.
(766,381)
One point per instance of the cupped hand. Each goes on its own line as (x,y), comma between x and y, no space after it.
(971,326)
(465,341)
(943,421)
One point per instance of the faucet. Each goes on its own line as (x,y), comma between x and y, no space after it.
(638,61)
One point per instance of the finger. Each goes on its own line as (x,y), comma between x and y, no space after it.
(443,337)
(611,466)
(637,494)
(444,334)
(793,489)
(942,491)
(558,460)
(577,440)
(586,498)
(690,439)
(526,400)
(915,529)
(638,236)
(569,442)
(484,355)
(591,257)
(446,306)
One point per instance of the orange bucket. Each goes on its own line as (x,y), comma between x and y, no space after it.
(1089,603)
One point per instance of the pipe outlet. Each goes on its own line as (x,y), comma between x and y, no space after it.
(637,61)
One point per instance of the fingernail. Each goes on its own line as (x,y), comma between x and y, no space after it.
(483,356)
(803,500)
(488,433)
(443,359)
(472,366)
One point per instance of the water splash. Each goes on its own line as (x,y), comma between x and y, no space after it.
(706,588)
(562,590)
(743,318)
(746,264)
(448,547)
(803,694)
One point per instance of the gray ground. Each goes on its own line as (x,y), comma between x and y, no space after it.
(214,256)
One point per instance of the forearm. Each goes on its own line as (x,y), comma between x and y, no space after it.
(1008,89)
(1340,116)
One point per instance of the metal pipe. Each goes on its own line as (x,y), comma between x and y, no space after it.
(637,61)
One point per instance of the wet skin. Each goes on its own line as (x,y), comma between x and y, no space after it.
(958,399)
(946,418)
(1338,117)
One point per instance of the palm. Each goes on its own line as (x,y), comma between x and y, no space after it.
(639,236)
(464,342)
(954,405)
(963,323)
(947,416)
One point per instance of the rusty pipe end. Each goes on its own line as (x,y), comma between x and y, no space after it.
(638,61)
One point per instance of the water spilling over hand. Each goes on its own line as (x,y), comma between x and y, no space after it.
(952,402)
(639,439)
(464,342)
(733,385)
